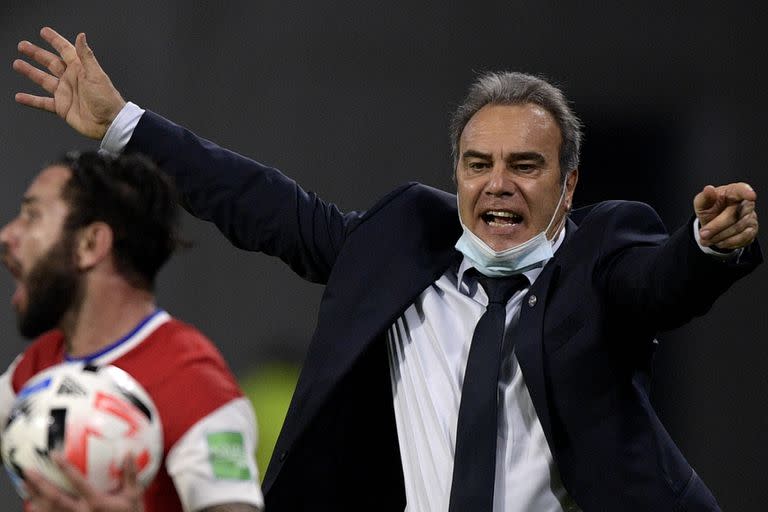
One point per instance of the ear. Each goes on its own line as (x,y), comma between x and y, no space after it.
(94,244)
(570,187)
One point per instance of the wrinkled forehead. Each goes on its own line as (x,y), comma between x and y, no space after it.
(519,127)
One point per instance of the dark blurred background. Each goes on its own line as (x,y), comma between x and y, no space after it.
(353,97)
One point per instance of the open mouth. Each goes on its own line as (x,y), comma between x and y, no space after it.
(13,266)
(501,218)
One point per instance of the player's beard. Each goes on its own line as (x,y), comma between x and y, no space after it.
(53,288)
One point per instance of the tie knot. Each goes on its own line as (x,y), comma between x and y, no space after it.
(500,289)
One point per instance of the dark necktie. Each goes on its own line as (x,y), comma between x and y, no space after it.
(474,466)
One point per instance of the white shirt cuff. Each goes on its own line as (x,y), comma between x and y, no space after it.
(729,255)
(120,131)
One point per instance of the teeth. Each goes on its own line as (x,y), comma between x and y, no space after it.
(490,215)
(501,218)
(508,215)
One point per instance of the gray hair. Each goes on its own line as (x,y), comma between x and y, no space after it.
(512,88)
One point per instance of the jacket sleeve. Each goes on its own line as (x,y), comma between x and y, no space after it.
(654,278)
(255,206)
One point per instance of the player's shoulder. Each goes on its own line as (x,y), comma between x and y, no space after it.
(185,339)
(42,353)
(175,348)
(183,372)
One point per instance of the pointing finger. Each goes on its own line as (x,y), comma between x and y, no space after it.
(737,192)
(705,199)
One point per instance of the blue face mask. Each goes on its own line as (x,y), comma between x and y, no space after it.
(530,254)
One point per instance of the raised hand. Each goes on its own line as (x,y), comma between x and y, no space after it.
(80,91)
(727,215)
(45,497)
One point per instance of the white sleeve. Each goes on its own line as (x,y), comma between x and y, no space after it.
(120,131)
(7,396)
(213,462)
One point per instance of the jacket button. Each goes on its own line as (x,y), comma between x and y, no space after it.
(283,455)
(532,300)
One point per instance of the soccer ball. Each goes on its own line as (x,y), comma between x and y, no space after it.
(94,416)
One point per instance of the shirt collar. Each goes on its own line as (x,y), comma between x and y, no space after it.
(146,326)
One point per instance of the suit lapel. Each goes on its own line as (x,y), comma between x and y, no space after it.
(529,346)
(381,271)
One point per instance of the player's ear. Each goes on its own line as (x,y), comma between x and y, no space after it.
(94,243)
(570,186)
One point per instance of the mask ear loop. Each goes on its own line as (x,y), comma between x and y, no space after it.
(557,208)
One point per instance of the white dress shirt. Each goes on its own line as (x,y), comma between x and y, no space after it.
(428,351)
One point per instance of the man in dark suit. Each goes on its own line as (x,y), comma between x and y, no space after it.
(381,411)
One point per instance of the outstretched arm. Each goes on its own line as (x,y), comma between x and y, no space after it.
(726,215)
(661,282)
(256,207)
(80,91)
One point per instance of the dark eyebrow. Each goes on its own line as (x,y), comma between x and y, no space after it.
(28,200)
(527,155)
(471,153)
(512,157)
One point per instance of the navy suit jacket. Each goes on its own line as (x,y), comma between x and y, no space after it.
(584,339)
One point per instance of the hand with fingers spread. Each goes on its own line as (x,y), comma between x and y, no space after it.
(81,92)
(46,497)
(727,215)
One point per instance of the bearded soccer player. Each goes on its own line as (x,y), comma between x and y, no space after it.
(92,233)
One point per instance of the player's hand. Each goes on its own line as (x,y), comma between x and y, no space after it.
(46,497)
(727,215)
(80,91)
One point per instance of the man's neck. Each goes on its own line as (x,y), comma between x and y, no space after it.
(106,313)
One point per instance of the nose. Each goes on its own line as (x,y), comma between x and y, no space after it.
(7,234)
(499,181)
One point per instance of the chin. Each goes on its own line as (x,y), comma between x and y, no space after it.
(502,243)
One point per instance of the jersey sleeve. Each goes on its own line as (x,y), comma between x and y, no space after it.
(213,462)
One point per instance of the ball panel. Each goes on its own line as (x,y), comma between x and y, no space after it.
(95,416)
